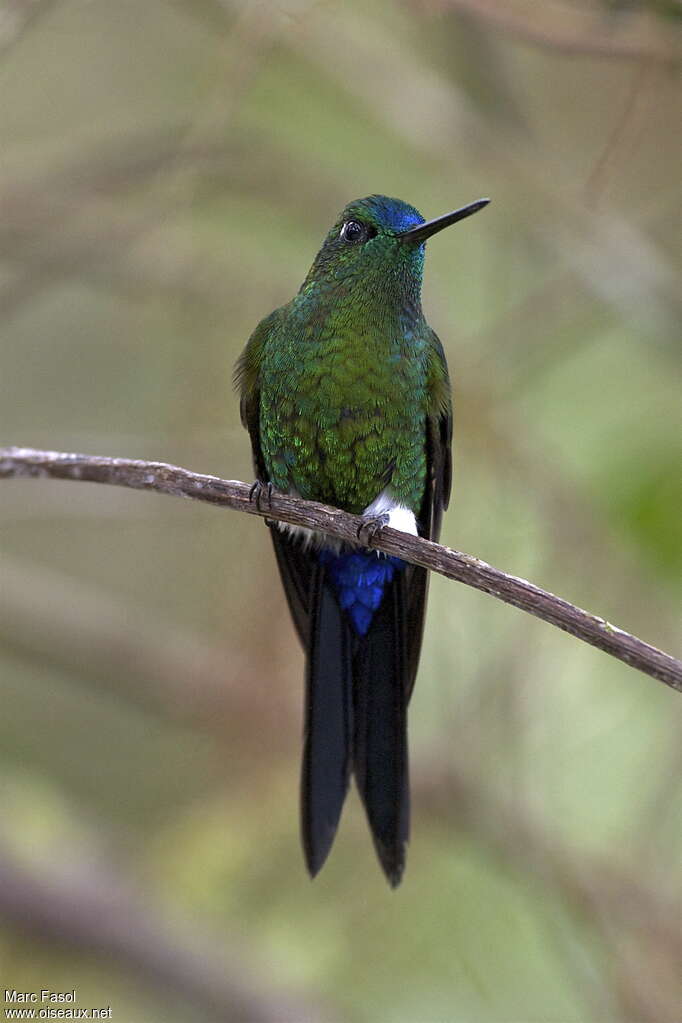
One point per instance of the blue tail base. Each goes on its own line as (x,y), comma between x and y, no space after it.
(360,579)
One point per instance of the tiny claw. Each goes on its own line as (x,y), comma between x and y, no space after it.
(261,494)
(370,527)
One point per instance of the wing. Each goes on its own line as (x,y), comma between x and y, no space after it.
(297,570)
(294,562)
(438,441)
(247,382)
(438,444)
(387,658)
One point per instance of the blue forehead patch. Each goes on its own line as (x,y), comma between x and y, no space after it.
(393,214)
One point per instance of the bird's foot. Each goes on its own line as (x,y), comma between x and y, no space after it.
(371,526)
(261,495)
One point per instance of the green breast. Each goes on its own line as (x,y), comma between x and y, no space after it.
(343,408)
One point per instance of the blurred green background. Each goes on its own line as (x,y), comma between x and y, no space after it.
(168,170)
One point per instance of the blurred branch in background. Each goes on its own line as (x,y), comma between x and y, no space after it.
(614,255)
(576,31)
(620,902)
(17,16)
(68,227)
(167,479)
(62,223)
(80,625)
(100,914)
(68,223)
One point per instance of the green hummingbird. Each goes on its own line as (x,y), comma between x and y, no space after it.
(346,398)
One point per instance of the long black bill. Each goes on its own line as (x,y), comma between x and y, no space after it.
(417,235)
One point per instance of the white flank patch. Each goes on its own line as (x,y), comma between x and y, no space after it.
(399,517)
(309,537)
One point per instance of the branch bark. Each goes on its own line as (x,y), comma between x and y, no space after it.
(169,479)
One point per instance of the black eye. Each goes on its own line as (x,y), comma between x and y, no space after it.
(354,231)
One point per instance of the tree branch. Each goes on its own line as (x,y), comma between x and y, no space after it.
(169,479)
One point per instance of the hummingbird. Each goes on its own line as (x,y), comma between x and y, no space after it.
(345,395)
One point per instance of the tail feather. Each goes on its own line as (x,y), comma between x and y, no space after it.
(357,689)
(380,696)
(328,721)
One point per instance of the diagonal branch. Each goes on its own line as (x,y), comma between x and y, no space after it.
(169,479)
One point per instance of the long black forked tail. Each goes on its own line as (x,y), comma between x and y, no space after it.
(357,691)
(328,737)
(380,696)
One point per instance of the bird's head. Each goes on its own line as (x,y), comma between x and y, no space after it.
(378,235)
